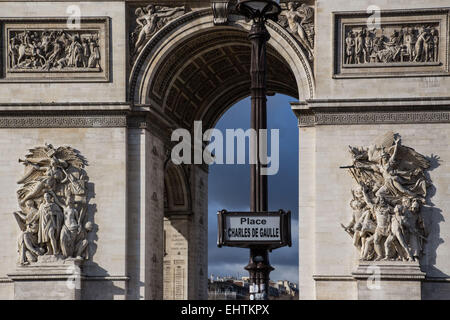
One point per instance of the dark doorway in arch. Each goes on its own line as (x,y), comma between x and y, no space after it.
(229,188)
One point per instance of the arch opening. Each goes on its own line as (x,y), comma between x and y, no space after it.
(195,72)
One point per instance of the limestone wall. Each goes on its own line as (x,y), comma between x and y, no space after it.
(326,250)
(144,234)
(105,151)
(112,90)
(329,88)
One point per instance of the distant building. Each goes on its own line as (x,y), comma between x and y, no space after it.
(229,288)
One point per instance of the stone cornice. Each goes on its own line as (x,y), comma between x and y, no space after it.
(65,106)
(351,278)
(61,120)
(368,103)
(333,278)
(372,111)
(82,116)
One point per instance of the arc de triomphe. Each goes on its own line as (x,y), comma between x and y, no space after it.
(91,91)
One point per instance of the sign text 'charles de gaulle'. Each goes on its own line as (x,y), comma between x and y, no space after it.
(247,229)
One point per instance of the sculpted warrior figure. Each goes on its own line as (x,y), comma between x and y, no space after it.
(435,52)
(416,233)
(399,226)
(361,227)
(360,47)
(349,48)
(423,45)
(392,183)
(410,44)
(382,212)
(75,57)
(52,175)
(28,242)
(94,58)
(370,45)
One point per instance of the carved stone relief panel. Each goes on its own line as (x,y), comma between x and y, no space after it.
(405,43)
(47,49)
(392,186)
(53,201)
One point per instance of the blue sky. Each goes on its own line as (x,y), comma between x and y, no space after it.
(229,188)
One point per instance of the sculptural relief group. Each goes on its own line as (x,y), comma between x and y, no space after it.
(149,20)
(53,50)
(299,21)
(399,44)
(297,18)
(53,205)
(387,221)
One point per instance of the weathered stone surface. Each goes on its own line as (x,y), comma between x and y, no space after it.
(43,90)
(190,69)
(108,247)
(54,279)
(389,281)
(329,254)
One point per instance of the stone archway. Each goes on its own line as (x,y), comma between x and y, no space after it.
(177,220)
(192,70)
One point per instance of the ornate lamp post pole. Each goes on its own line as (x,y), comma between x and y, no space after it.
(259,11)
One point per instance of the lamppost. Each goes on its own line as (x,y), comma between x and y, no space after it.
(259,266)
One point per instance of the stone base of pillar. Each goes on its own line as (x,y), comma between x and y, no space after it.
(389,280)
(51,278)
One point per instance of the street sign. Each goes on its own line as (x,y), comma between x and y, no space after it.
(254,229)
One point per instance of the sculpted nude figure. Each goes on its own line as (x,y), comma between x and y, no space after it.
(148,22)
(295,20)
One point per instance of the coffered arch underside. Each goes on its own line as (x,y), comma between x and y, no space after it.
(196,71)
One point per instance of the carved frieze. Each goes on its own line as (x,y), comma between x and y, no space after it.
(393,43)
(307,119)
(391,189)
(49,49)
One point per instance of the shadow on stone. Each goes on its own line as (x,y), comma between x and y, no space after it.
(432,218)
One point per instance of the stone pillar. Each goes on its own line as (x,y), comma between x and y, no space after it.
(198,234)
(176,273)
(186,243)
(48,280)
(307,214)
(145,215)
(389,280)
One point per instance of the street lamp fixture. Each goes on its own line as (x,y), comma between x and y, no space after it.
(258,10)
(259,266)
